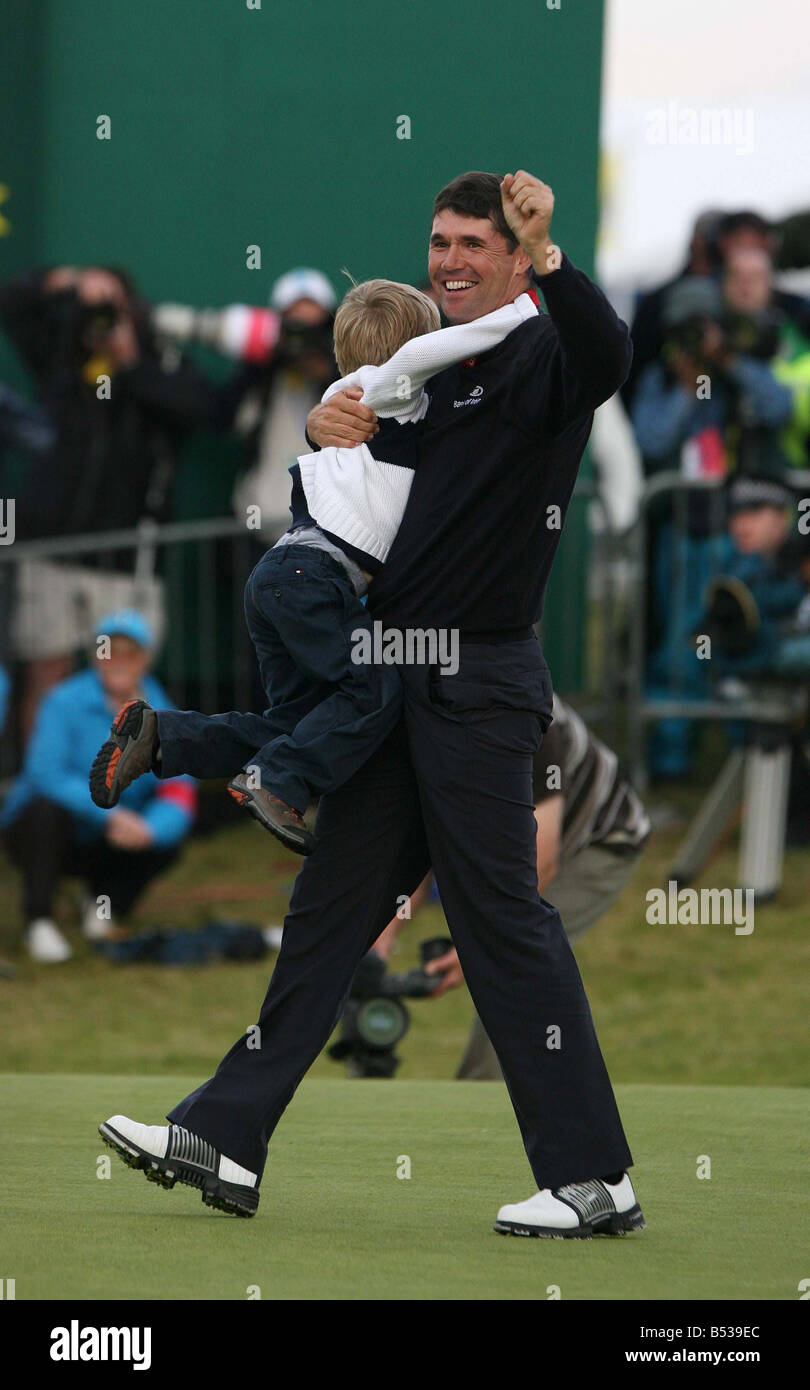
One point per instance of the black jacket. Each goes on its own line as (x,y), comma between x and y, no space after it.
(113,461)
(498,458)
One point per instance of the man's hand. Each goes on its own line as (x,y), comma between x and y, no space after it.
(128,830)
(342,422)
(527,206)
(449,967)
(62,277)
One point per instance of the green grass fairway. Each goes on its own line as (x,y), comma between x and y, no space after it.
(335,1222)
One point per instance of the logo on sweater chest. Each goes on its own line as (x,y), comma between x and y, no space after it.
(474,397)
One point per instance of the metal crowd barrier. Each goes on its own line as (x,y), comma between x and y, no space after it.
(206,660)
(599,699)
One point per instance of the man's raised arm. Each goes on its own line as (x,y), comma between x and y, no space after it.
(593,349)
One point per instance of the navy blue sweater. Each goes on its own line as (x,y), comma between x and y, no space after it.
(499,451)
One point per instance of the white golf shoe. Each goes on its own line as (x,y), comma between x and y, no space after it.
(578,1210)
(168,1154)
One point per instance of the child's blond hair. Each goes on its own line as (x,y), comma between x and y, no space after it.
(376,318)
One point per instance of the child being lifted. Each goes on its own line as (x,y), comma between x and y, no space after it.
(328,712)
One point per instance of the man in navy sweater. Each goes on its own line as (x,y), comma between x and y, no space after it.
(452,785)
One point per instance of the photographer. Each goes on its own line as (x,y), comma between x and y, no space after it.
(287,358)
(749,231)
(267,405)
(647,332)
(679,425)
(120,408)
(760,587)
(704,409)
(591,832)
(759,323)
(115,452)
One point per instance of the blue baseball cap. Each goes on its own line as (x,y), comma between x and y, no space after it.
(127,622)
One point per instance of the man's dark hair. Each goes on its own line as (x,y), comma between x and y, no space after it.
(476,194)
(743,221)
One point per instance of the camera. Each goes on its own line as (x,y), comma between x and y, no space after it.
(743,642)
(375,1019)
(753,335)
(299,340)
(94,323)
(687,336)
(731,618)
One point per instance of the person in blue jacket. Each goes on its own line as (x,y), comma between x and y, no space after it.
(702,409)
(51,827)
(752,600)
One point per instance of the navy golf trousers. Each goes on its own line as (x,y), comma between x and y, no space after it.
(450,787)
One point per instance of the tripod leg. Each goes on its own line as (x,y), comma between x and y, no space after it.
(762,846)
(716,811)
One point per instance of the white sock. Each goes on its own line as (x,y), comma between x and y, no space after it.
(231,1172)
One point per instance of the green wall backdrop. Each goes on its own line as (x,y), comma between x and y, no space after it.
(277,126)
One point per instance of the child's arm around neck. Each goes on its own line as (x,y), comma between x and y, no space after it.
(394,390)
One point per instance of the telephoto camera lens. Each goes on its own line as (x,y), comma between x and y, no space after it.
(380,1023)
(375,1018)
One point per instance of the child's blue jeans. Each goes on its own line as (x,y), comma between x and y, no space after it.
(327,712)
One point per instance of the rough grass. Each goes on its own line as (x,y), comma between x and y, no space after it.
(686,1004)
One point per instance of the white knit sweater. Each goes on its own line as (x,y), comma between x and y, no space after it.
(353,494)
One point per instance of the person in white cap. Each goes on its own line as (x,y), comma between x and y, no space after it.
(286,362)
(267,405)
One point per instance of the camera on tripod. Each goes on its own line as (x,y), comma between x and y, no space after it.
(375,1018)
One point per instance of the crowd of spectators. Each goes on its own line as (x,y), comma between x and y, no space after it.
(719,397)
(116,390)
(718,394)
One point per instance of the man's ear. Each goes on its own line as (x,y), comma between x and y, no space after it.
(523,262)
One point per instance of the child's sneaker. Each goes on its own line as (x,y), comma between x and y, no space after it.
(128,753)
(281,820)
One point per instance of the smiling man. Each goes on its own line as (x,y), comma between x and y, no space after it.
(474,264)
(452,785)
